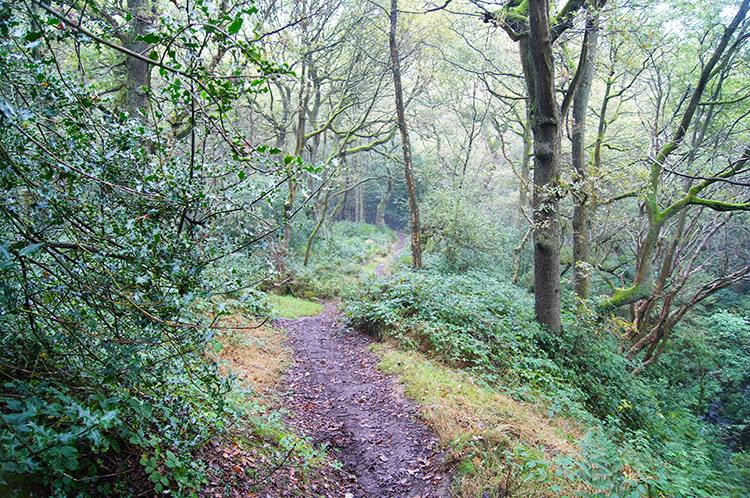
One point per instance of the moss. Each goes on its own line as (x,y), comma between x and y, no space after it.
(626,296)
(518,13)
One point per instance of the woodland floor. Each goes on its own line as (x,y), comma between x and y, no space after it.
(338,397)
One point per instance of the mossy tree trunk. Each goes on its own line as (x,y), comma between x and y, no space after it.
(581,180)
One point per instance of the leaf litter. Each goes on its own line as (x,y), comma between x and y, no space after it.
(340,401)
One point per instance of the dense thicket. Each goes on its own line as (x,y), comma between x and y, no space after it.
(108,218)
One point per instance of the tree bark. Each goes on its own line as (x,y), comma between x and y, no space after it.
(523,191)
(137,71)
(581,188)
(416,247)
(547,150)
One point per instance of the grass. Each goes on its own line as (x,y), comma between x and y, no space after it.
(292,307)
(490,436)
(261,443)
(255,353)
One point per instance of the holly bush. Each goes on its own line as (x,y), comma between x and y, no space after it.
(107,364)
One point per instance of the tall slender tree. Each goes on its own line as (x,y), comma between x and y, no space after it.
(416,246)
(581,197)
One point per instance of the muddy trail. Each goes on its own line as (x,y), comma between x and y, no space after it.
(339,399)
(398,250)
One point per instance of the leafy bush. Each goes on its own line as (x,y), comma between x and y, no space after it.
(471,320)
(105,232)
(336,263)
(465,235)
(104,352)
(603,468)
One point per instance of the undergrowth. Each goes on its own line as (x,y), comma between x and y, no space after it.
(483,325)
(336,264)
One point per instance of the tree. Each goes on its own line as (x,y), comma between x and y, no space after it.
(581,189)
(416,245)
(662,205)
(340,95)
(529,24)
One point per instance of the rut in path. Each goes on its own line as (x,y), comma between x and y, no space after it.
(339,399)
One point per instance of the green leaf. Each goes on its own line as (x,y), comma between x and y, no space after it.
(32,36)
(288,159)
(153,56)
(150,38)
(29,249)
(235,26)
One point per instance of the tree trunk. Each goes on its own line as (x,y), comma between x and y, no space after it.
(359,215)
(527,64)
(581,188)
(547,151)
(137,72)
(523,191)
(416,247)
(321,220)
(380,214)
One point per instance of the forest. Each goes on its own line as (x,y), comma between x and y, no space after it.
(569,180)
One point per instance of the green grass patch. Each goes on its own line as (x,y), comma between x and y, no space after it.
(490,436)
(292,307)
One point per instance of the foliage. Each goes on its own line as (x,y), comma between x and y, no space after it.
(465,234)
(706,371)
(481,428)
(338,261)
(472,320)
(630,469)
(104,236)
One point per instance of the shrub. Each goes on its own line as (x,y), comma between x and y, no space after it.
(471,320)
(103,242)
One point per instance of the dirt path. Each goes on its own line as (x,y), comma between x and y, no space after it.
(398,250)
(339,399)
